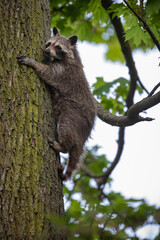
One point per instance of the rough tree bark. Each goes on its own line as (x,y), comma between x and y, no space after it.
(30,189)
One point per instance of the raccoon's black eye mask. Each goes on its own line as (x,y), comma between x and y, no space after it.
(48,44)
(58,47)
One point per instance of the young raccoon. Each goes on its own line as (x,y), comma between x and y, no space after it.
(73,102)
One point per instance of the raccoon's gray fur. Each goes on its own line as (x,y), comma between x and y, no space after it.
(73,102)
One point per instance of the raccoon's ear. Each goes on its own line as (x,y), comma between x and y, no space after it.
(72,40)
(55,32)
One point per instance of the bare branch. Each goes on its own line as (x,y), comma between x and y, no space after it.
(54,9)
(143,87)
(132,116)
(154,89)
(143,105)
(108,172)
(142,9)
(87,172)
(146,26)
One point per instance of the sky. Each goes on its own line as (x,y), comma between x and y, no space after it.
(137,174)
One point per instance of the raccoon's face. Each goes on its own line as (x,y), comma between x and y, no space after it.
(59,48)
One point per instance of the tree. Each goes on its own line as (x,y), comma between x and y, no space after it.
(30,189)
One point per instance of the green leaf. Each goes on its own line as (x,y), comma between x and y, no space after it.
(94,162)
(98,11)
(114,52)
(118,9)
(137,34)
(152,7)
(131,20)
(75,209)
(100,82)
(112,94)
(101,86)
(84,31)
(93,6)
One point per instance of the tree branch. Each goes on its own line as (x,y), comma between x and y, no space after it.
(146,26)
(54,9)
(142,9)
(102,179)
(154,89)
(146,103)
(108,172)
(127,52)
(132,116)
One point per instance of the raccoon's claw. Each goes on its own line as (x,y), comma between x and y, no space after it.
(63,176)
(51,143)
(60,172)
(60,168)
(21,59)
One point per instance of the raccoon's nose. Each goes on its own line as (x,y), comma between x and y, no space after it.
(47,51)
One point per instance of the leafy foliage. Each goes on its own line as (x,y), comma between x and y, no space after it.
(96,212)
(90,21)
(113,94)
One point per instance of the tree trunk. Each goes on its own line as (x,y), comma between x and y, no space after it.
(30,189)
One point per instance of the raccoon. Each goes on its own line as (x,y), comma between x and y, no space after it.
(73,103)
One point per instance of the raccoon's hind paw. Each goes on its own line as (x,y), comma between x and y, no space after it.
(60,172)
(56,146)
(64,177)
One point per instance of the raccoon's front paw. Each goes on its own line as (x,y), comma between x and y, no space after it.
(23,60)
